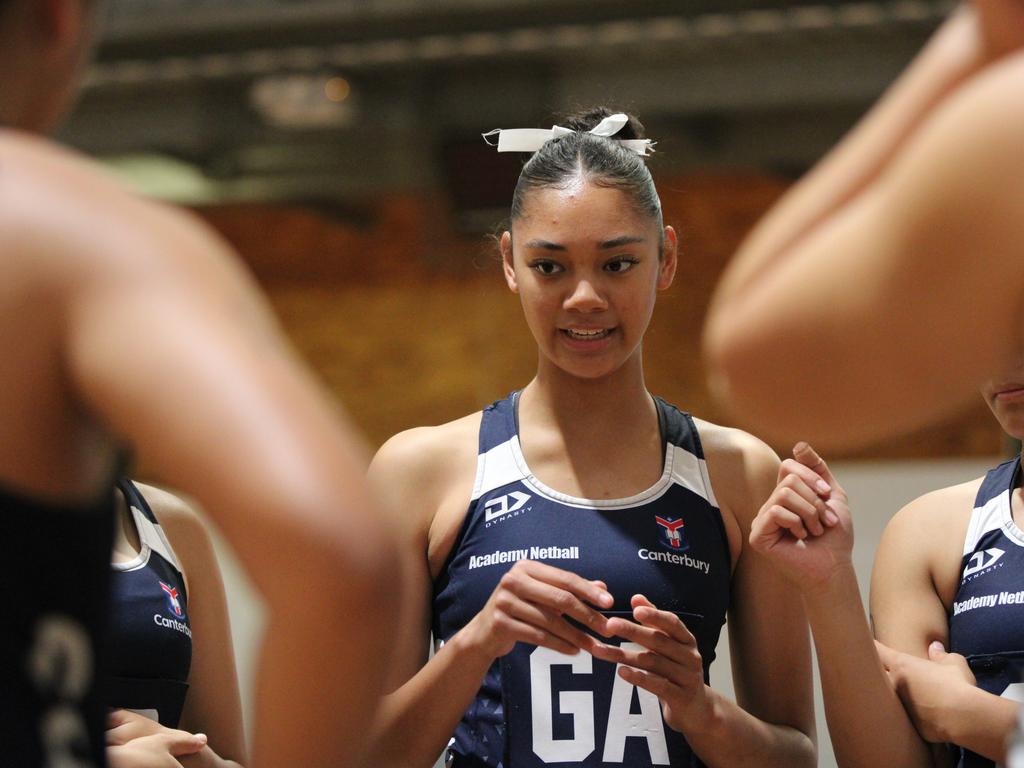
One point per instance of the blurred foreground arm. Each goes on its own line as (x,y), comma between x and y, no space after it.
(894,265)
(175,353)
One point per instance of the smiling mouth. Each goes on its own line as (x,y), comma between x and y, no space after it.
(591,334)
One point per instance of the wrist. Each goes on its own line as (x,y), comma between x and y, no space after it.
(471,647)
(701,715)
(839,581)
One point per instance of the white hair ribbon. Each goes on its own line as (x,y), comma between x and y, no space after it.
(532,139)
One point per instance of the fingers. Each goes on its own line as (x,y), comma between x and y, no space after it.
(595,593)
(180,743)
(774,517)
(936,651)
(116,717)
(795,497)
(807,456)
(558,591)
(887,655)
(662,636)
(660,686)
(553,631)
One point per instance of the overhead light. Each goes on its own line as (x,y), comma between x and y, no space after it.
(304,100)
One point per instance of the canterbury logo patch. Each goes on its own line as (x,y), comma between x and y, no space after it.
(502,505)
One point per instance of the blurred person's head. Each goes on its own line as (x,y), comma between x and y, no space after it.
(44,46)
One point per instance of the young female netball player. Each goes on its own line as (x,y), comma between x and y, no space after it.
(948,575)
(173,663)
(127,325)
(579,544)
(894,266)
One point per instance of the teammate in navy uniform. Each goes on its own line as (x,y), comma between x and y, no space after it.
(166,583)
(128,325)
(948,575)
(580,543)
(887,283)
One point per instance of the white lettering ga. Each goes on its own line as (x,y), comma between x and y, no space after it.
(500,506)
(622,724)
(60,665)
(981,560)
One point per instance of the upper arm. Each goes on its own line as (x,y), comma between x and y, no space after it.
(878,288)
(213,705)
(768,636)
(211,399)
(408,474)
(917,560)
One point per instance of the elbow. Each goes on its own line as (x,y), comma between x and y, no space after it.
(339,563)
(738,372)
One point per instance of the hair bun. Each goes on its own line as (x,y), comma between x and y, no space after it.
(586,120)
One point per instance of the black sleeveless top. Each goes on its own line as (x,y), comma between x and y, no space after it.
(54,572)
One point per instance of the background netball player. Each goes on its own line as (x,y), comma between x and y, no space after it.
(949,573)
(127,324)
(581,512)
(894,266)
(173,657)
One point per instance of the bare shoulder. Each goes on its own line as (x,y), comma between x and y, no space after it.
(923,543)
(66,208)
(429,449)
(739,459)
(426,462)
(935,516)
(742,468)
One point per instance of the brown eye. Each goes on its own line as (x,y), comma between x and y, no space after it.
(545,267)
(621,265)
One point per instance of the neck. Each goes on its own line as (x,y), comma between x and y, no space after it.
(583,405)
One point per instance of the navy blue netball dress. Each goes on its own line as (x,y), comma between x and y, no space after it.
(151,638)
(986,623)
(539,708)
(55,572)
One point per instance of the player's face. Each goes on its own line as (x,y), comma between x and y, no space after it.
(587,266)
(1005,396)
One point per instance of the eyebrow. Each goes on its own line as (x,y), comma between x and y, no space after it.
(605,245)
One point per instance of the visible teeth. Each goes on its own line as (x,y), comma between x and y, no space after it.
(578,333)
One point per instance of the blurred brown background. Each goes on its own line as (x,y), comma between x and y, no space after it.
(336,144)
(404,343)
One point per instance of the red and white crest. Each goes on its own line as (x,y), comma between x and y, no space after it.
(673,530)
(172,599)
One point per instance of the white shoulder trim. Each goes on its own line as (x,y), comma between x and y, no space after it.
(154,537)
(496,467)
(991,516)
(691,472)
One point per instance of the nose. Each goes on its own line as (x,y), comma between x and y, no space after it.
(585,297)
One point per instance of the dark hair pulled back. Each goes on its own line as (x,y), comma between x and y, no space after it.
(600,160)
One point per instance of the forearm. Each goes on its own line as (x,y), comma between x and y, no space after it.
(950,58)
(730,736)
(865,716)
(416,721)
(320,675)
(980,722)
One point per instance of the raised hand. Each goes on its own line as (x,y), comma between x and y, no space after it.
(530,605)
(804,527)
(660,656)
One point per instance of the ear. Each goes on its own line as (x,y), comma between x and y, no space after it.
(669,254)
(506,262)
